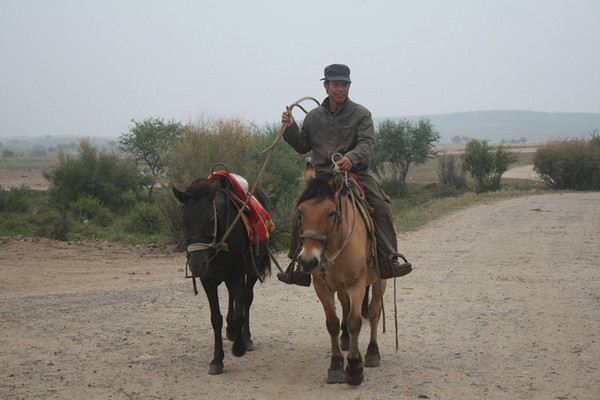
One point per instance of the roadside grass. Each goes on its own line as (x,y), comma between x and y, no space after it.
(39,218)
(412,214)
(425,201)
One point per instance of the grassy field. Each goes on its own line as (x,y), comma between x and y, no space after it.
(14,163)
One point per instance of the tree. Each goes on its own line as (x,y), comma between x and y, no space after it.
(401,146)
(147,141)
(486,164)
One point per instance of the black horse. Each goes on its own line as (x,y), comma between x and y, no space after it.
(208,212)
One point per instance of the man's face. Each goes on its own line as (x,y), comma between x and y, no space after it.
(337,90)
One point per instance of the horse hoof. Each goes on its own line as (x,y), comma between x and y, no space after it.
(354,372)
(336,376)
(215,369)
(372,360)
(355,380)
(238,349)
(249,344)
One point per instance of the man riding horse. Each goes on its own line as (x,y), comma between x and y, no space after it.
(341,126)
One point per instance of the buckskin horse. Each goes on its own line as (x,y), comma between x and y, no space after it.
(336,250)
(209,208)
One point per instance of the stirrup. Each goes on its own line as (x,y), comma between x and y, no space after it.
(294,277)
(395,269)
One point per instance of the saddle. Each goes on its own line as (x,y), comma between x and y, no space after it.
(256,218)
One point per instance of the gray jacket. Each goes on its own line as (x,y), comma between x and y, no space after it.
(349,131)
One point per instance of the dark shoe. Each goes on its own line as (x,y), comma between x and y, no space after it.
(394,269)
(295,278)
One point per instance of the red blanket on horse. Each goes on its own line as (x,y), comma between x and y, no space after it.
(258,223)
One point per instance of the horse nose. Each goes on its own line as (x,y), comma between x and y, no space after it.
(198,263)
(307,263)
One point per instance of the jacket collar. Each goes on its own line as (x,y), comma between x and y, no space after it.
(325,104)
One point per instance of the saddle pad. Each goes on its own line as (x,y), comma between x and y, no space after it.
(258,224)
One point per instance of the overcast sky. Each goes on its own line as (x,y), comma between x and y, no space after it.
(85,67)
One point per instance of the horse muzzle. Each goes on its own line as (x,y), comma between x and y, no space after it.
(309,261)
(198,262)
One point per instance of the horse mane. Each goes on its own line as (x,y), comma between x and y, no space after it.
(200,187)
(318,188)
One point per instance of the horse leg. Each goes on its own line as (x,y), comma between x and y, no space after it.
(345,302)
(236,286)
(216,319)
(354,369)
(372,358)
(335,373)
(249,298)
(365,304)
(229,331)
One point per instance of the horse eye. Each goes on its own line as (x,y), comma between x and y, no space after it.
(331,214)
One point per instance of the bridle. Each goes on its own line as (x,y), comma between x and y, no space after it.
(212,245)
(217,246)
(325,239)
(203,246)
(346,231)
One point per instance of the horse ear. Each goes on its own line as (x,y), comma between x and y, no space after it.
(337,183)
(181,196)
(309,173)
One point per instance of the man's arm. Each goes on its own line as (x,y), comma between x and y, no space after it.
(292,135)
(365,140)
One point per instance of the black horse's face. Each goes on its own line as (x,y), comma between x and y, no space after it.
(199,224)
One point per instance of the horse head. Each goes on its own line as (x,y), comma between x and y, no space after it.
(199,222)
(320,216)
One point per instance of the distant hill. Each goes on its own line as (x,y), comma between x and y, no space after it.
(496,126)
(25,145)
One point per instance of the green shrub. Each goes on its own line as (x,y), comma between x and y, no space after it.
(55,224)
(145,218)
(13,200)
(89,208)
(391,187)
(206,143)
(451,172)
(595,138)
(104,176)
(569,164)
(486,164)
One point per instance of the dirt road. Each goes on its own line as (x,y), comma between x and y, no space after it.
(505,304)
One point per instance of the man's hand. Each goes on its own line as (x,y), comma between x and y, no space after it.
(287,117)
(345,164)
